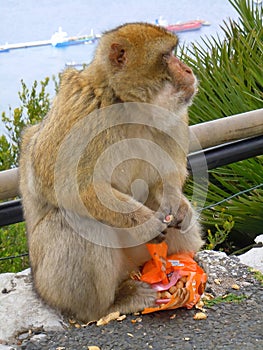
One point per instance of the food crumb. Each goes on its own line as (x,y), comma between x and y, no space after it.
(235,286)
(121,318)
(200,316)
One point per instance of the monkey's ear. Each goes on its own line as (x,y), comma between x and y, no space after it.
(117,55)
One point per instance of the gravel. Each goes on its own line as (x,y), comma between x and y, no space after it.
(228,326)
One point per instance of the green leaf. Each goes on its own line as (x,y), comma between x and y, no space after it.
(230,72)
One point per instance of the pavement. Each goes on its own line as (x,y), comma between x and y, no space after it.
(230,325)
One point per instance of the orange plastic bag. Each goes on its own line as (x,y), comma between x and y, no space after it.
(164,272)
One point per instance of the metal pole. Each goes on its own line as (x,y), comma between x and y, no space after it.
(219,131)
(11,212)
(202,136)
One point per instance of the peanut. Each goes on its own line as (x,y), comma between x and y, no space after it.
(180,284)
(184,279)
(166,295)
(172,289)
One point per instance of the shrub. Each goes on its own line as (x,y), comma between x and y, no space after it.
(231,82)
(34,106)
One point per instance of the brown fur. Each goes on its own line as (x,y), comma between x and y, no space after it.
(133,63)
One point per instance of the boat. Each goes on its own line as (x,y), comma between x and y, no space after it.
(186,26)
(181,26)
(4,48)
(58,39)
(61,39)
(73,64)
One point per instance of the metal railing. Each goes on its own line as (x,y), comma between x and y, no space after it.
(231,138)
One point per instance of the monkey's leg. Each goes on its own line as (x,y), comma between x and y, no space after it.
(70,273)
(81,278)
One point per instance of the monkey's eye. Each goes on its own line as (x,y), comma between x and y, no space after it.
(167,55)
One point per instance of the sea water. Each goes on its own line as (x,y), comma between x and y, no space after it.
(30,20)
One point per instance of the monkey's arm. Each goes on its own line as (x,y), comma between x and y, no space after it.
(118,209)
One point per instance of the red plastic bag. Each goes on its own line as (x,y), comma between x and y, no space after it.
(165,273)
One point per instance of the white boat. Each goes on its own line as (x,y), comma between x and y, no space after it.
(4,48)
(61,38)
(58,39)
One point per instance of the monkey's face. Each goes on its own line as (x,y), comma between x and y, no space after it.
(184,82)
(142,65)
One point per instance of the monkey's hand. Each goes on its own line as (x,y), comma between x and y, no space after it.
(156,225)
(178,216)
(182,217)
(158,239)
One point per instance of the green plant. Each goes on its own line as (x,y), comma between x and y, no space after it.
(7,157)
(13,243)
(34,106)
(231,82)
(245,207)
(229,69)
(219,236)
(257,274)
(229,298)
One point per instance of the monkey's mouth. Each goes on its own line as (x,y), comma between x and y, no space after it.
(188,91)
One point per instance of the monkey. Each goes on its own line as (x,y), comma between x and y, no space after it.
(87,228)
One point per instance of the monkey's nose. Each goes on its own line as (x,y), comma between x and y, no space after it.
(188,70)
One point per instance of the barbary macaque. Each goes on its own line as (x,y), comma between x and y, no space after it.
(103,174)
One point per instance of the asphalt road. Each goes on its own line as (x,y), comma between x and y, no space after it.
(228,326)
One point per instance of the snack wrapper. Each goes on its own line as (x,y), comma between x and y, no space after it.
(164,272)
